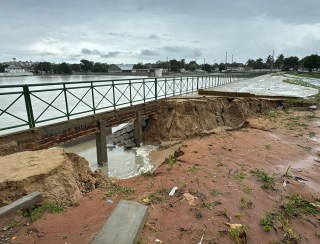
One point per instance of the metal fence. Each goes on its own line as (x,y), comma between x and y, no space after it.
(28,106)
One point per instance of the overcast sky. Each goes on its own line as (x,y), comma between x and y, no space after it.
(131,31)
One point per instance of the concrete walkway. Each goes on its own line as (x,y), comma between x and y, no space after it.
(268,85)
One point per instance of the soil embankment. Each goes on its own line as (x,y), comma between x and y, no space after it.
(180,119)
(61,177)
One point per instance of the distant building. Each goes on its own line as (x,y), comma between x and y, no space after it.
(120,68)
(14,69)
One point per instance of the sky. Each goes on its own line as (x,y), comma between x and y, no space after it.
(124,31)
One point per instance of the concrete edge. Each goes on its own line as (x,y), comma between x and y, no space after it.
(22,203)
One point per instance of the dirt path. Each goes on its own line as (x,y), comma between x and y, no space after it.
(234,177)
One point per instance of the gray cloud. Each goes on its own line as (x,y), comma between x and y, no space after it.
(148,30)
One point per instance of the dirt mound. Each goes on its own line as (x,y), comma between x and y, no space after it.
(61,177)
(182,118)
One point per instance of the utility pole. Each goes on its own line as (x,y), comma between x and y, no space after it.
(232,59)
(204,64)
(226,61)
(272,60)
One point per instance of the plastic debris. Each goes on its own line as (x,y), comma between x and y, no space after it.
(109,201)
(157,241)
(192,200)
(285,182)
(171,193)
(13,238)
(201,240)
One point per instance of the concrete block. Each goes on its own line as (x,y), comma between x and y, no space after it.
(129,128)
(126,136)
(124,225)
(23,203)
(121,138)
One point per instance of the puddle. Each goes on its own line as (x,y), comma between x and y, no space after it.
(122,163)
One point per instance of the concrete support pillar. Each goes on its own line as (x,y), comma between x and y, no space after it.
(101,143)
(138,129)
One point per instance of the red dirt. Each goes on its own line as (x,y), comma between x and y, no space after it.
(211,162)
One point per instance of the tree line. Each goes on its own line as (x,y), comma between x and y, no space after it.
(311,62)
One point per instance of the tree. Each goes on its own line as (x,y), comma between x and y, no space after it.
(278,64)
(139,66)
(86,65)
(251,63)
(100,67)
(3,66)
(175,65)
(290,63)
(222,66)
(75,67)
(44,67)
(312,62)
(192,66)
(269,61)
(65,68)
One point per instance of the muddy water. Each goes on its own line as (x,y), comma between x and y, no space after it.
(122,163)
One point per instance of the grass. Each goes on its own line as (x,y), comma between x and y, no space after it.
(49,207)
(215,192)
(266,180)
(295,207)
(245,203)
(240,176)
(287,173)
(209,206)
(308,75)
(268,146)
(247,189)
(294,122)
(148,173)
(219,162)
(117,190)
(171,160)
(193,169)
(157,197)
(267,222)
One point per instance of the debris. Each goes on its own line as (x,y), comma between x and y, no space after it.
(238,232)
(285,182)
(201,240)
(146,200)
(157,241)
(14,237)
(315,205)
(109,201)
(297,178)
(191,199)
(40,234)
(173,191)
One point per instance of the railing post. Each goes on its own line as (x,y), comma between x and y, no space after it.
(138,129)
(130,90)
(28,103)
(66,100)
(180,85)
(165,87)
(144,90)
(93,103)
(174,85)
(155,88)
(187,85)
(114,95)
(101,143)
(197,83)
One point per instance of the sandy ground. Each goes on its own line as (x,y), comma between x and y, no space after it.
(217,171)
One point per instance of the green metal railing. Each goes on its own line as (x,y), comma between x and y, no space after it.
(31,105)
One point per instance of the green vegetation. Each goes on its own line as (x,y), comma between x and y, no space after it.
(268,146)
(267,222)
(245,203)
(219,162)
(307,75)
(247,189)
(294,122)
(240,176)
(171,161)
(193,169)
(156,197)
(148,173)
(311,134)
(215,192)
(234,233)
(287,173)
(266,180)
(296,207)
(50,207)
(117,190)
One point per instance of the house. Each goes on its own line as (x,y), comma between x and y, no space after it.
(120,68)
(14,69)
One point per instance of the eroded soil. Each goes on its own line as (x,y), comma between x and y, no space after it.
(220,172)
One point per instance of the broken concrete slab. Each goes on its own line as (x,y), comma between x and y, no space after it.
(124,225)
(25,202)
